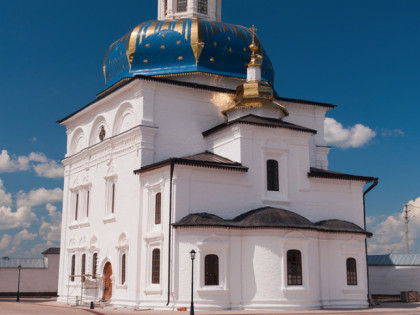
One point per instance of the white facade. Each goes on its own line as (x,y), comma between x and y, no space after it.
(109,212)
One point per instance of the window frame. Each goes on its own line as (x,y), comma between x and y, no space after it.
(202,4)
(155,267)
(83,267)
(94,265)
(110,198)
(158,210)
(211,278)
(123,268)
(294,277)
(72,267)
(183,4)
(272,175)
(351,271)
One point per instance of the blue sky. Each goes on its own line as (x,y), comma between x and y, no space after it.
(360,55)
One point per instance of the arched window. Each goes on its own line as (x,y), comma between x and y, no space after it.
(73,267)
(202,6)
(123,269)
(211,263)
(272,175)
(156,266)
(351,271)
(158,207)
(181,5)
(294,267)
(94,264)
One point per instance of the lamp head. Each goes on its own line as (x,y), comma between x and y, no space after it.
(192,253)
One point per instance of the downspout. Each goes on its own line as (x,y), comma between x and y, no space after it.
(170,231)
(375,182)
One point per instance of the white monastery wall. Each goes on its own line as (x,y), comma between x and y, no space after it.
(32,280)
(393,279)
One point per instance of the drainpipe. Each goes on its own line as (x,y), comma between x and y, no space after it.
(375,182)
(170,231)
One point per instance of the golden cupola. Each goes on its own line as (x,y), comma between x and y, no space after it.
(255,96)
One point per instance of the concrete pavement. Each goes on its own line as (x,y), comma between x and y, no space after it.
(50,306)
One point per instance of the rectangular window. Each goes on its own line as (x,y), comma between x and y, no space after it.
(123,269)
(113,198)
(73,267)
(111,194)
(158,207)
(87,203)
(76,210)
(83,267)
(272,175)
(202,6)
(94,262)
(181,5)
(211,270)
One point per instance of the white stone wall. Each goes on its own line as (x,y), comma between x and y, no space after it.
(147,122)
(32,280)
(253,269)
(393,279)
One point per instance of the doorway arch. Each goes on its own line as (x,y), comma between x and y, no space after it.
(107,291)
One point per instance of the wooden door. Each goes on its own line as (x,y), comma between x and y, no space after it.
(107,282)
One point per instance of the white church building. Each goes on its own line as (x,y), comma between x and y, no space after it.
(190,148)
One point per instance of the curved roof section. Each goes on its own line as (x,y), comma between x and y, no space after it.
(269,217)
(183,45)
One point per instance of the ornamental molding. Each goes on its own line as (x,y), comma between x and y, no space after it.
(133,140)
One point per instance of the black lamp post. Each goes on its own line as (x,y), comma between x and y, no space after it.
(17,298)
(192,253)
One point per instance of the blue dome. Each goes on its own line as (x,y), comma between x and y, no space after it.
(181,46)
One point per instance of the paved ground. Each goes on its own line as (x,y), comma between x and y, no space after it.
(50,306)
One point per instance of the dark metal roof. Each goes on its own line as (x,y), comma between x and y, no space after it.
(204,159)
(259,121)
(269,218)
(205,87)
(394,260)
(52,250)
(340,226)
(320,173)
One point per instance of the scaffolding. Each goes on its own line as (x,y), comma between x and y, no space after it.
(83,289)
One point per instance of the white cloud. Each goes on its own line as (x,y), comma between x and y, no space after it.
(392,132)
(8,164)
(5,241)
(52,212)
(39,162)
(37,157)
(38,197)
(50,169)
(23,235)
(23,217)
(50,232)
(352,137)
(5,198)
(389,234)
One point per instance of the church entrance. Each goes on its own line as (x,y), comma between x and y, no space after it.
(107,282)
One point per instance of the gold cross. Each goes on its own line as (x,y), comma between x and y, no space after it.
(253,29)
